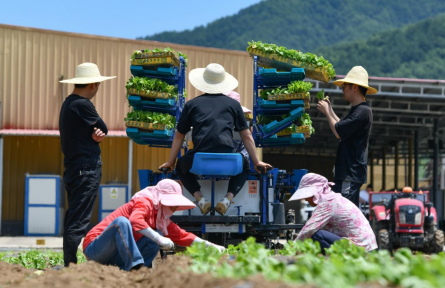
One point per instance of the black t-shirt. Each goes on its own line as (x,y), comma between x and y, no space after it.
(212,116)
(352,154)
(78,117)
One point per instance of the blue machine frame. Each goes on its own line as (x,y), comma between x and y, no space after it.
(275,181)
(56,205)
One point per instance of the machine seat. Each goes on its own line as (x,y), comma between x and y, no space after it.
(217,164)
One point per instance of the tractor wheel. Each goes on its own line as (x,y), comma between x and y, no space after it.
(383,240)
(437,243)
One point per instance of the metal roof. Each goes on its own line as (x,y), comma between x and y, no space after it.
(400,107)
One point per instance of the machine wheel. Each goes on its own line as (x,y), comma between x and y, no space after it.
(437,243)
(383,240)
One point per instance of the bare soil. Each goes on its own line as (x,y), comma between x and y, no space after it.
(168,274)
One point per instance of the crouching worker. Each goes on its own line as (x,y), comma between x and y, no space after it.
(335,216)
(132,235)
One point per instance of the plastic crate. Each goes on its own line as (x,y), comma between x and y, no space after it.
(278,105)
(285,64)
(143,71)
(140,103)
(272,73)
(217,164)
(139,134)
(294,115)
(293,139)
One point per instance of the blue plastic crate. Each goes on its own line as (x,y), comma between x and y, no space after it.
(297,138)
(270,77)
(160,105)
(141,136)
(279,104)
(217,164)
(144,71)
(274,125)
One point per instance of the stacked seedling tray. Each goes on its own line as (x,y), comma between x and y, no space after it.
(280,100)
(156,94)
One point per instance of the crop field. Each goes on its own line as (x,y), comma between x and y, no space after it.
(298,264)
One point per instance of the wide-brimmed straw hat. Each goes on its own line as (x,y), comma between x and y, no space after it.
(358,76)
(213,79)
(87,73)
(235,96)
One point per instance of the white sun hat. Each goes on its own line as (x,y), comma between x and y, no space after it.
(213,79)
(358,76)
(87,73)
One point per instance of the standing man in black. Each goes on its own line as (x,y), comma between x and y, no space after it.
(351,163)
(81,131)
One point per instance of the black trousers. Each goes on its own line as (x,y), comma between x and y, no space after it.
(82,187)
(191,183)
(349,190)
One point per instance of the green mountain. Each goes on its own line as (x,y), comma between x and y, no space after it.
(414,51)
(305,25)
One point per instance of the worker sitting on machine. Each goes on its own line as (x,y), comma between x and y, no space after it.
(119,239)
(334,217)
(213,116)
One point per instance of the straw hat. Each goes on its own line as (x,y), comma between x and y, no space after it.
(87,73)
(213,79)
(235,96)
(358,76)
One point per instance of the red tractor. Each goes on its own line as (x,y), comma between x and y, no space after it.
(405,219)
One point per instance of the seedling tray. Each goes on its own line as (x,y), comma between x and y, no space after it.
(299,129)
(274,125)
(145,104)
(278,105)
(158,72)
(292,96)
(285,64)
(144,125)
(150,94)
(159,61)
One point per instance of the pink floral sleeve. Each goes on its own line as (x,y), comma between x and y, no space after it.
(320,217)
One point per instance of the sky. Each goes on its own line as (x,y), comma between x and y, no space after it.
(123,19)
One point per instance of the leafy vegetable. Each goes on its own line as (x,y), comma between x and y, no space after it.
(167,49)
(152,117)
(35,259)
(346,265)
(305,120)
(147,85)
(292,88)
(321,96)
(296,55)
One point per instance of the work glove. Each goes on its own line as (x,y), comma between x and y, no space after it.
(165,243)
(220,248)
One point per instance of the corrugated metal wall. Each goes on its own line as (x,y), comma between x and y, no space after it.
(42,155)
(33,60)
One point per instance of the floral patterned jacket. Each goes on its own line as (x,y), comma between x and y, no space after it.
(340,217)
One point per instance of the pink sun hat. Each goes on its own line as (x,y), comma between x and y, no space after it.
(235,96)
(168,193)
(315,185)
